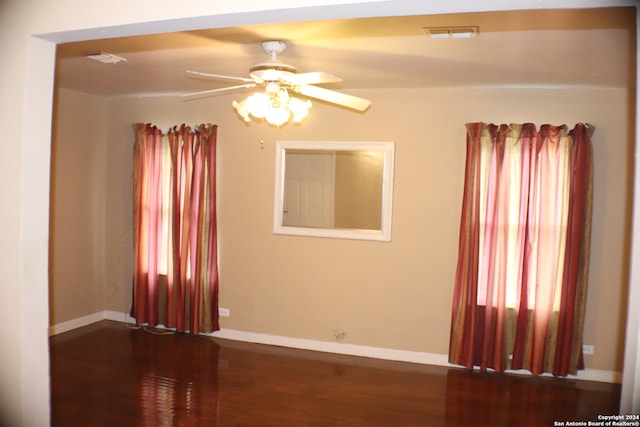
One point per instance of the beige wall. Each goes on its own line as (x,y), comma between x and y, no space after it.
(391,295)
(78,162)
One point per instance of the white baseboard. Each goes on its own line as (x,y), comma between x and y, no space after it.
(600,375)
(89,319)
(118,317)
(335,347)
(328,347)
(75,323)
(388,354)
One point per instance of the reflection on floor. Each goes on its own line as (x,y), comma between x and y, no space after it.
(108,374)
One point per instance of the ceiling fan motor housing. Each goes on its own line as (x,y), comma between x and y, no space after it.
(271,71)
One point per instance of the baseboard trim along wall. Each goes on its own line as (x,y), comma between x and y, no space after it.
(76,323)
(325,346)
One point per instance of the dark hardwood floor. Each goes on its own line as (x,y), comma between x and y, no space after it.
(108,374)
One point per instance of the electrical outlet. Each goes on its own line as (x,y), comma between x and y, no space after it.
(587,349)
(224,312)
(339,334)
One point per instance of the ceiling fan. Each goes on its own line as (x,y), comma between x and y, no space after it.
(278,77)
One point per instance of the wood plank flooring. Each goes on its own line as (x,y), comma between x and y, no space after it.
(108,374)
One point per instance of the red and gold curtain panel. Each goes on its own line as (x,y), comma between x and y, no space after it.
(521,279)
(175,280)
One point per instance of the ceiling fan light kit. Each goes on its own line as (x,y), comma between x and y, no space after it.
(275,104)
(276,108)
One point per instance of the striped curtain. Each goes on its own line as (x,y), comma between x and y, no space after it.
(175,281)
(521,279)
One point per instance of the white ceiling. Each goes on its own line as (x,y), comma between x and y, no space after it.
(541,48)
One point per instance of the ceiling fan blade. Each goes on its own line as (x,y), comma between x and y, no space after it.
(334,97)
(219,90)
(219,76)
(312,78)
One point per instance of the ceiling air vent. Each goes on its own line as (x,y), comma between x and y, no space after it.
(452,32)
(105,58)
